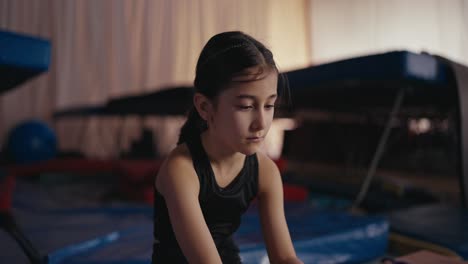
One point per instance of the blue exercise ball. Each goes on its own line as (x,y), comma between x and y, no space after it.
(32,141)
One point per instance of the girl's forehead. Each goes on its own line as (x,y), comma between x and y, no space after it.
(261,87)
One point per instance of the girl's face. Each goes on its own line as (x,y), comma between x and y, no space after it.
(243,113)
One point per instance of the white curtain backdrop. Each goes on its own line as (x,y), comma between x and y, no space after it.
(110,48)
(343,29)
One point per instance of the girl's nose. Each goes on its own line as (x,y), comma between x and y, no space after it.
(260,120)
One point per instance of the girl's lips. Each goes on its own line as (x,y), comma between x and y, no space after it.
(255,139)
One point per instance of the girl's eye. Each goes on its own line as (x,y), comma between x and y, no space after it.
(269,106)
(245,107)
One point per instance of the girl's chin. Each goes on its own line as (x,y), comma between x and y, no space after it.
(250,150)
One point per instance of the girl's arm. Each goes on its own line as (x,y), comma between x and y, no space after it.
(178,183)
(271,206)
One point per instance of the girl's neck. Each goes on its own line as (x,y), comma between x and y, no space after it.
(219,155)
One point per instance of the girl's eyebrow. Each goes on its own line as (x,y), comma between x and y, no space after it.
(247,96)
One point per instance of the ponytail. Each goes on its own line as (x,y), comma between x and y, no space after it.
(192,127)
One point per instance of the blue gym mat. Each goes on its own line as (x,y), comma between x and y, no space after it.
(122,232)
(442,225)
(22,57)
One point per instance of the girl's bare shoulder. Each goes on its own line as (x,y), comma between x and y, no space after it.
(266,165)
(178,158)
(177,170)
(268,174)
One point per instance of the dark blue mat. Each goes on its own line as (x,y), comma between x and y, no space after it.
(22,57)
(122,233)
(441,225)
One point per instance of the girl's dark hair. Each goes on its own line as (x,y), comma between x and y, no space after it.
(225,56)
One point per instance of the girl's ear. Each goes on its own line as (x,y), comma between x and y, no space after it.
(203,105)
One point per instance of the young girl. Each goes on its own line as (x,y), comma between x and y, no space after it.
(210,178)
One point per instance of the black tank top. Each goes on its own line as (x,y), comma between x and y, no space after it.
(222,208)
